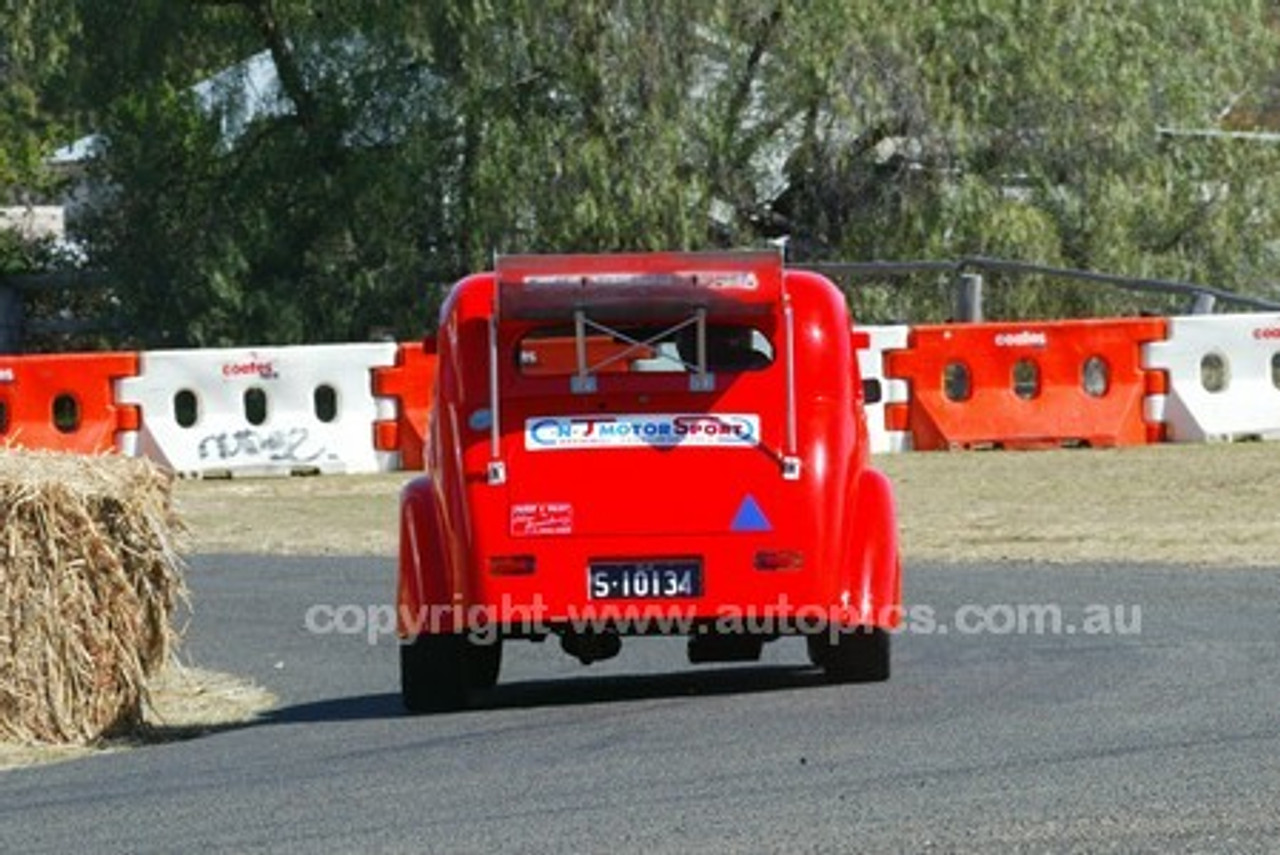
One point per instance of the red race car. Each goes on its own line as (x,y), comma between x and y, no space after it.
(645,443)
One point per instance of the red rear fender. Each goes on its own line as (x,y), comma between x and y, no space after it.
(423,581)
(875,584)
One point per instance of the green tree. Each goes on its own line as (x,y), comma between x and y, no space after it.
(414,145)
(408,142)
(1032,130)
(302,221)
(35,39)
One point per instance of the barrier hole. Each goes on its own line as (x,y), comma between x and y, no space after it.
(4,417)
(186,408)
(255,406)
(1097,377)
(66,413)
(1214,373)
(1026,379)
(1275,371)
(326,403)
(872,391)
(955,381)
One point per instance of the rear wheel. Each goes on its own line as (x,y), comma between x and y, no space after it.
(860,655)
(484,661)
(439,673)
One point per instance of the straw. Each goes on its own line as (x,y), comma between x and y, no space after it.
(89,580)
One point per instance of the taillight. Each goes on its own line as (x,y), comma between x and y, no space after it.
(779,560)
(512,565)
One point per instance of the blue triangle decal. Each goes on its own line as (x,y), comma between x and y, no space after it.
(749,517)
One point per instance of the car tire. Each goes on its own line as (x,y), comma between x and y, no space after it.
(860,655)
(483,662)
(441,673)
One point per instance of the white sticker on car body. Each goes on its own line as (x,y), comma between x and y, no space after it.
(539,519)
(662,430)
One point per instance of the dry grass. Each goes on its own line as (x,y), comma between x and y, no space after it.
(1198,504)
(182,703)
(321,515)
(89,579)
(15,755)
(1194,504)
(186,702)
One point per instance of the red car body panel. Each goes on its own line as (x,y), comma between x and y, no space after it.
(763,480)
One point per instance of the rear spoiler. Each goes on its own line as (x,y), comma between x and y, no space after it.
(638,287)
(678,288)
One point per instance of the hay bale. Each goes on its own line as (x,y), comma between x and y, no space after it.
(89,580)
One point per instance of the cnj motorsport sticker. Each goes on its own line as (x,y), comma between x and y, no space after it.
(704,430)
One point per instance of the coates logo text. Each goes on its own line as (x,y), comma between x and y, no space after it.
(727,430)
(1267,333)
(1026,338)
(265,370)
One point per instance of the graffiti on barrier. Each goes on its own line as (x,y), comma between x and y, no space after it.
(283,445)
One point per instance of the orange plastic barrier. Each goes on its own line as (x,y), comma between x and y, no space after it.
(65,402)
(410,382)
(1027,385)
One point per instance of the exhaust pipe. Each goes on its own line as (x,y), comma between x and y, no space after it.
(725,648)
(591,646)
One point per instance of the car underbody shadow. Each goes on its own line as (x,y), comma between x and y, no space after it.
(569,691)
(575,691)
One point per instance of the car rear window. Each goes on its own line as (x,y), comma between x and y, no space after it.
(553,351)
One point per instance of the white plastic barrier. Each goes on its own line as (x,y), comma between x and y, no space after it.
(1224,378)
(871,366)
(268,410)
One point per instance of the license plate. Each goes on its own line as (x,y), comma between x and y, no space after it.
(644,580)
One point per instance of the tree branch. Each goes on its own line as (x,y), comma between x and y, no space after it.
(760,47)
(292,81)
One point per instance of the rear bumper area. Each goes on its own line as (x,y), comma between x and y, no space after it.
(509,618)
(758,585)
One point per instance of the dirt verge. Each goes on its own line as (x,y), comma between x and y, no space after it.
(1194,504)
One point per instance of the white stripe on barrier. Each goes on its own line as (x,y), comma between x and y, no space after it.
(268,410)
(871,367)
(1224,378)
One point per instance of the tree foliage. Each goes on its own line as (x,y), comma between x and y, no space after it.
(1033,130)
(35,55)
(406,143)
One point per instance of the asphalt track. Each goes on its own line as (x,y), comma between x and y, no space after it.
(1163,740)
